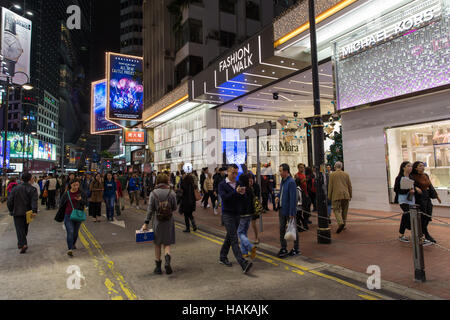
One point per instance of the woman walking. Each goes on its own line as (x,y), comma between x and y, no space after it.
(162,204)
(110,196)
(424,194)
(404,197)
(95,201)
(71,200)
(208,186)
(119,200)
(188,203)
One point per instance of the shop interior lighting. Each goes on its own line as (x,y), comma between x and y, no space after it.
(167,108)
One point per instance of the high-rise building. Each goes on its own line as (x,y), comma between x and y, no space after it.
(131,27)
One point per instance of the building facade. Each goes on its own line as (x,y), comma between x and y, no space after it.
(131,21)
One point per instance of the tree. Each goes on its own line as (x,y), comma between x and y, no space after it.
(336,152)
(106,154)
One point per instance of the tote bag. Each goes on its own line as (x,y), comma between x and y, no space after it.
(76,215)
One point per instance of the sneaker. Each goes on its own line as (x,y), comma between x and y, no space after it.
(430,238)
(225,262)
(247,267)
(427,243)
(215,212)
(283,253)
(294,252)
(253,253)
(341,227)
(137,207)
(70,253)
(403,239)
(208,206)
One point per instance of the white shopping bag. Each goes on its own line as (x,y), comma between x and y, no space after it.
(290,232)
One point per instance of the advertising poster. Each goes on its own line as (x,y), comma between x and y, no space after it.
(135,137)
(8,149)
(99,124)
(21,146)
(15,46)
(125,89)
(234,150)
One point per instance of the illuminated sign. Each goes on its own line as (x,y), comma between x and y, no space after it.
(135,137)
(125,90)
(99,124)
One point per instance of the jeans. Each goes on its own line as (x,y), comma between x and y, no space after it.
(284,220)
(21,225)
(51,203)
(231,223)
(244,224)
(72,229)
(209,195)
(109,201)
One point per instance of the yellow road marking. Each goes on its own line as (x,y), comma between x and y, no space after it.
(298,272)
(108,283)
(119,277)
(367,297)
(317,273)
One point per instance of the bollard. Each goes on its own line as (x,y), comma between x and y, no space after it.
(417,243)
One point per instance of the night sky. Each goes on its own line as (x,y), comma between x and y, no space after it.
(105,34)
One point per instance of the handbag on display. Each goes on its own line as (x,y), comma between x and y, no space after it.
(76,215)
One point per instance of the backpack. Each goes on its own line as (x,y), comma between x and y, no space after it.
(163,211)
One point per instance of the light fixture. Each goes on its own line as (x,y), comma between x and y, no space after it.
(30,13)
(17,6)
(28,86)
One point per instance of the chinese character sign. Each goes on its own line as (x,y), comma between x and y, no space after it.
(124,88)
(135,137)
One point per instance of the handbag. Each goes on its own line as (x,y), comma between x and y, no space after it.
(197,194)
(76,215)
(45,194)
(258,207)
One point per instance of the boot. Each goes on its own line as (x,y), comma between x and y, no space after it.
(158,267)
(194,226)
(167,265)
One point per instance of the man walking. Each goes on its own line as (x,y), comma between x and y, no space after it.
(123,182)
(232,195)
(134,189)
(287,200)
(23,198)
(340,194)
(203,176)
(51,186)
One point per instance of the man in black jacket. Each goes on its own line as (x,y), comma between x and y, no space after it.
(203,176)
(23,198)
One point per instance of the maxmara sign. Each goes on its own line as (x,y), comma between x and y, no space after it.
(283,146)
(405,20)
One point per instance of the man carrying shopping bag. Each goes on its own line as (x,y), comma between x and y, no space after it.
(287,200)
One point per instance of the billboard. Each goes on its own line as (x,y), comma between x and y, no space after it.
(135,137)
(44,151)
(124,87)
(98,108)
(8,149)
(22,146)
(15,46)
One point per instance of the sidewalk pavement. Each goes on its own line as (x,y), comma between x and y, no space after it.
(350,250)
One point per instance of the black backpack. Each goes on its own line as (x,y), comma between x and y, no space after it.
(164,210)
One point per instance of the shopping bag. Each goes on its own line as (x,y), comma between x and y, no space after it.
(144,236)
(198,196)
(290,232)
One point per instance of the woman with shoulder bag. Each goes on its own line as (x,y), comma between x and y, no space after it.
(188,201)
(404,197)
(424,193)
(162,204)
(70,201)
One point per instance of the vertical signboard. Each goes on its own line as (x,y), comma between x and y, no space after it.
(15,46)
(99,124)
(125,90)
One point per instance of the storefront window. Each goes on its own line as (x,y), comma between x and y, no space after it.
(427,142)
